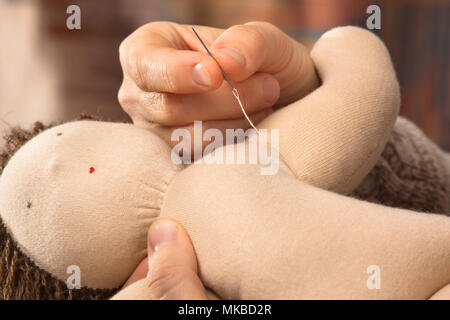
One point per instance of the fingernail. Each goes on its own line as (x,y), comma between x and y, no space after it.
(271,90)
(235,54)
(162,233)
(200,75)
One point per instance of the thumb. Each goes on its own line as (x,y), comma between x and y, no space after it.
(172,267)
(172,270)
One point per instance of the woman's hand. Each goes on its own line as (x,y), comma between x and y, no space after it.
(169,78)
(170,271)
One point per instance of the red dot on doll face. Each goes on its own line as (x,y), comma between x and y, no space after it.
(91,169)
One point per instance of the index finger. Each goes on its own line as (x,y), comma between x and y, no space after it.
(164,57)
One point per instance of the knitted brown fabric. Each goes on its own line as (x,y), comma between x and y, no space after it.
(412,173)
(20,278)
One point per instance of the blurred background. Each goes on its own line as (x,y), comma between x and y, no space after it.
(50,73)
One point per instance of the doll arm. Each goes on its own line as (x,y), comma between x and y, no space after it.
(333,137)
(265,237)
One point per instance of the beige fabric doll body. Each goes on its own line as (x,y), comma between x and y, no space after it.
(85,193)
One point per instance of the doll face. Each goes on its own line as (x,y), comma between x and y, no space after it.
(82,195)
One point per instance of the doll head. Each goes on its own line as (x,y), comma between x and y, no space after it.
(86,186)
(20,277)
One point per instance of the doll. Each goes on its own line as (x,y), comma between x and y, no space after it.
(85,193)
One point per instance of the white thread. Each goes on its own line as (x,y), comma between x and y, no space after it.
(236,95)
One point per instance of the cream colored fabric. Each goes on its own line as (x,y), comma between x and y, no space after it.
(333,137)
(274,237)
(62,215)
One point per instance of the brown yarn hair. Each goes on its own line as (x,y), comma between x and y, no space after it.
(20,277)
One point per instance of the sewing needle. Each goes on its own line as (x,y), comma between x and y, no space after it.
(233,89)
